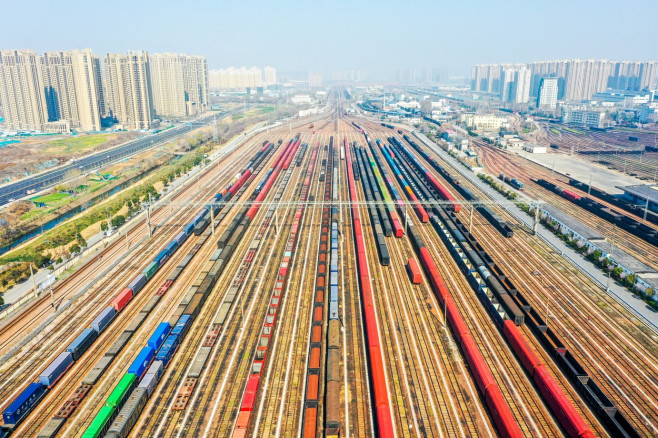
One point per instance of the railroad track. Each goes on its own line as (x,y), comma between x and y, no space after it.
(131,310)
(566,278)
(448,378)
(177,421)
(499,162)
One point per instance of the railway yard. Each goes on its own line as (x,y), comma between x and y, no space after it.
(333,281)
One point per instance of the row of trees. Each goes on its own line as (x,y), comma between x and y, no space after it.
(628,280)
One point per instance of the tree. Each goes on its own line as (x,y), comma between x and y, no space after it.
(630,280)
(75,249)
(617,271)
(104,226)
(118,220)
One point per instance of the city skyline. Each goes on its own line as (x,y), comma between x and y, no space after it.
(602,29)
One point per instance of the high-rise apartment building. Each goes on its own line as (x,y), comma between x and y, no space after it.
(515,85)
(128,82)
(315,80)
(577,79)
(195,76)
(168,84)
(21,90)
(72,88)
(547,97)
(235,78)
(270,75)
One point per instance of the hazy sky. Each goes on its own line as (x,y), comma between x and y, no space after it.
(336,35)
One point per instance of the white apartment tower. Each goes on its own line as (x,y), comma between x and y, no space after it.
(547,97)
(270,75)
(315,80)
(21,90)
(179,84)
(168,84)
(128,83)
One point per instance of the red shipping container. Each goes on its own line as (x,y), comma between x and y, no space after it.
(122,299)
(249,399)
(414,271)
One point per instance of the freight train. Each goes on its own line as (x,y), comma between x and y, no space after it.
(259,358)
(31,396)
(164,343)
(625,222)
(379,393)
(511,181)
(324,344)
(503,227)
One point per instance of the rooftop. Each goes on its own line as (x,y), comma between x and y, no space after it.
(575,225)
(646,191)
(627,260)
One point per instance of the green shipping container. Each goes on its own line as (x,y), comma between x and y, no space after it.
(121,391)
(150,270)
(101,420)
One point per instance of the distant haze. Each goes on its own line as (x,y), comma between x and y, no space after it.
(326,36)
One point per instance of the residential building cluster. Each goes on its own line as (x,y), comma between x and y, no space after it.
(577,79)
(241,78)
(69,90)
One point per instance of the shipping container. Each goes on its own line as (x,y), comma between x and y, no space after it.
(101,322)
(414,271)
(137,284)
(162,257)
(100,423)
(122,299)
(151,269)
(159,335)
(118,396)
(141,363)
(82,343)
(56,369)
(24,403)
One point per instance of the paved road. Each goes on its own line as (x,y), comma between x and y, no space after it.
(41,181)
(641,309)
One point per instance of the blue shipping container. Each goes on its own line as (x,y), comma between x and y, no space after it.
(172,247)
(56,369)
(139,366)
(82,343)
(103,319)
(168,349)
(180,238)
(23,403)
(137,284)
(159,335)
(162,257)
(181,326)
(189,228)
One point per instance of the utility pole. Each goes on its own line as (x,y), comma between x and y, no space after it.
(148,216)
(34,281)
(535,224)
(470,219)
(212,218)
(52,295)
(406,219)
(589,187)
